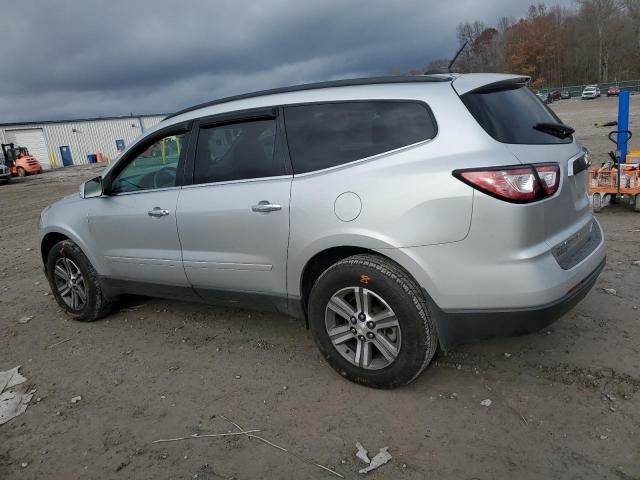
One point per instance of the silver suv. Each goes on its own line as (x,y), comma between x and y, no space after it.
(394,214)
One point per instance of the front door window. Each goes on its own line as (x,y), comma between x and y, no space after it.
(154,168)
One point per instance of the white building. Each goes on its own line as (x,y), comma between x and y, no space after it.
(70,142)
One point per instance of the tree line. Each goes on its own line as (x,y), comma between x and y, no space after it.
(596,41)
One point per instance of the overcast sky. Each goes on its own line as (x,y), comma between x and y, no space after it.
(64,59)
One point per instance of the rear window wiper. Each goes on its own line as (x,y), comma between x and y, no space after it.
(556,129)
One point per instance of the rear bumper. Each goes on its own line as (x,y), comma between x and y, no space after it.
(463,326)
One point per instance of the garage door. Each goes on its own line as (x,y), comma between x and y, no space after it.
(33,139)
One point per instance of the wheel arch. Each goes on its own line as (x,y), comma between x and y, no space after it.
(50,238)
(47,243)
(323,259)
(319,262)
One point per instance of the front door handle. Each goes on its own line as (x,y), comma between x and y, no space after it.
(265,207)
(158,212)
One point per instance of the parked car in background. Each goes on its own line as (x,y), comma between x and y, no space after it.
(613,91)
(544,98)
(555,95)
(5,173)
(565,95)
(313,223)
(590,92)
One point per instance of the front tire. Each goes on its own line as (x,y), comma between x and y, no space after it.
(22,172)
(371,322)
(74,283)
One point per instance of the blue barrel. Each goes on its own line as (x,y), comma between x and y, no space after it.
(92,159)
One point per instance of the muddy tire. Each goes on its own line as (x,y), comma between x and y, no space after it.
(75,284)
(21,172)
(371,322)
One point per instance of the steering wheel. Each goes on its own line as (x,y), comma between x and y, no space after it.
(165,177)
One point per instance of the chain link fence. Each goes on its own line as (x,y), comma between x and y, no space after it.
(632,86)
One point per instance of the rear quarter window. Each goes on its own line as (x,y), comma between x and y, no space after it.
(509,115)
(330,134)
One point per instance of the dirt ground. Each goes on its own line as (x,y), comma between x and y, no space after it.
(565,401)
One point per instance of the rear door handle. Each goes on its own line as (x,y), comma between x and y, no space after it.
(158,212)
(265,207)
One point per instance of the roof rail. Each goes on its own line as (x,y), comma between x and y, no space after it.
(313,86)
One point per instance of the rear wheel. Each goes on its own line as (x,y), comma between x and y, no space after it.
(597,202)
(636,203)
(371,322)
(74,283)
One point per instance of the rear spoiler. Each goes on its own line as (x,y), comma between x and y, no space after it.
(487,81)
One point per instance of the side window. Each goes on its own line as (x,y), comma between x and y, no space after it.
(238,151)
(155,167)
(330,134)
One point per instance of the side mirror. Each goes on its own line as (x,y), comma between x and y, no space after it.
(92,188)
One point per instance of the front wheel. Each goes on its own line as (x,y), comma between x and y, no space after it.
(597,202)
(371,322)
(22,172)
(75,283)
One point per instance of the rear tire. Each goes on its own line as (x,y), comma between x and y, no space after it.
(636,203)
(597,202)
(397,325)
(21,172)
(75,284)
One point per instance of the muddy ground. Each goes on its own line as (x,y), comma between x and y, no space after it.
(565,401)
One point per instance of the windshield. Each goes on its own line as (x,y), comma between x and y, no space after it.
(510,114)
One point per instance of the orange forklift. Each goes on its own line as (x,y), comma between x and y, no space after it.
(18,160)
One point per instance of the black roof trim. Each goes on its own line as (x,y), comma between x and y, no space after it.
(78,120)
(313,86)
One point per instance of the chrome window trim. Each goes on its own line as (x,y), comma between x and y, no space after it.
(149,190)
(243,180)
(367,159)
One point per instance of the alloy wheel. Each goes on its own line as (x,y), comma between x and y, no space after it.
(363,328)
(70,283)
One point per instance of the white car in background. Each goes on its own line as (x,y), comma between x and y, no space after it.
(590,92)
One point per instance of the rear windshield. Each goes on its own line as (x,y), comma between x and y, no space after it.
(509,115)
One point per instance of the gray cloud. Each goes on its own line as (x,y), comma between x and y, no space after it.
(69,59)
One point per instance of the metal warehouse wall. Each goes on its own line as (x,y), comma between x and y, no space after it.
(85,137)
(150,122)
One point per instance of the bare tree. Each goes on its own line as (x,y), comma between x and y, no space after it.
(633,7)
(601,12)
(592,41)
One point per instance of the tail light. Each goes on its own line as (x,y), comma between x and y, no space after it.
(515,184)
